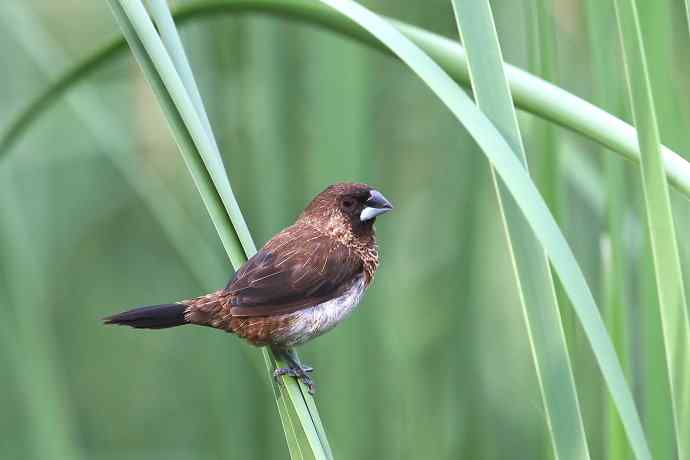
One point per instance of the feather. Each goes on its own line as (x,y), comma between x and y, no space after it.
(288,275)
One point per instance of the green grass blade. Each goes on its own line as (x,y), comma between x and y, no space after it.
(210,178)
(160,13)
(163,64)
(526,196)
(533,275)
(658,411)
(546,156)
(657,21)
(283,410)
(667,269)
(546,170)
(530,93)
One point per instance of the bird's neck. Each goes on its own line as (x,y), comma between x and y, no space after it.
(361,240)
(333,225)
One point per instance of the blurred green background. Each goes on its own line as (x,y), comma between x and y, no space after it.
(434,364)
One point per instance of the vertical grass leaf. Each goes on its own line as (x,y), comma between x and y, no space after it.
(532,272)
(667,269)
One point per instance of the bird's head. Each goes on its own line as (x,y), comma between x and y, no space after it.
(346,208)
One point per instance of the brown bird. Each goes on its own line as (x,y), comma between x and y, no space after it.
(301,284)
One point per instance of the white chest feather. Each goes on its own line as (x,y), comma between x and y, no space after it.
(311,322)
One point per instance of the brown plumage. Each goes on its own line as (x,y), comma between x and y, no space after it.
(302,283)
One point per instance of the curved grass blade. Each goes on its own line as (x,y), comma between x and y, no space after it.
(667,269)
(210,178)
(532,273)
(530,93)
(526,196)
(103,126)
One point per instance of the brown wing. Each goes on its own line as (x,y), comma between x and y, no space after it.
(298,268)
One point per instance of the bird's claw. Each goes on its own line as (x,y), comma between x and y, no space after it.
(279,372)
(300,373)
(309,383)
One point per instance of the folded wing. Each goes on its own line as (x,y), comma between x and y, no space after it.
(298,268)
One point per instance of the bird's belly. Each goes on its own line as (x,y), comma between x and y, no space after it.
(308,323)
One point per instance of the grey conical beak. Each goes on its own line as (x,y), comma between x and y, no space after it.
(377,204)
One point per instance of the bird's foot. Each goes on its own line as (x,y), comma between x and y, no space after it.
(292,371)
(298,372)
(294,368)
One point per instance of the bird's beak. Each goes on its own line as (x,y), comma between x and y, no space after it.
(377,204)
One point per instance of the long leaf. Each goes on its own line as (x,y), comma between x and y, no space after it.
(530,93)
(546,170)
(208,172)
(667,270)
(527,197)
(533,276)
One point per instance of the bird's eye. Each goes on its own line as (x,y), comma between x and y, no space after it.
(348,204)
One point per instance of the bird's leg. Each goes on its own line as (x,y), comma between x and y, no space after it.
(292,358)
(295,368)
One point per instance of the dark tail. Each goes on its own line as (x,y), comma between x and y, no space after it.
(153,317)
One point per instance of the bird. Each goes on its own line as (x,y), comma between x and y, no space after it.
(301,284)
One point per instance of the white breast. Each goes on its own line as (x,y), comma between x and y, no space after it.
(311,322)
